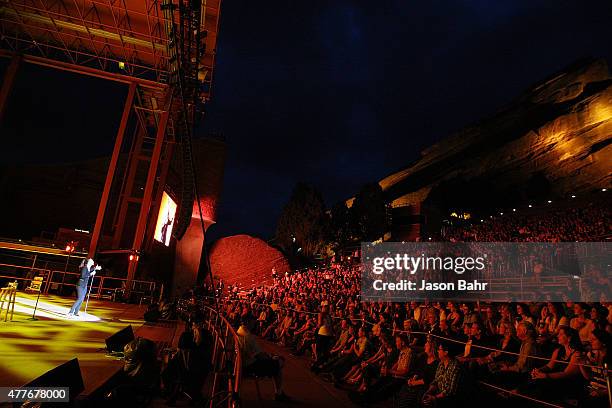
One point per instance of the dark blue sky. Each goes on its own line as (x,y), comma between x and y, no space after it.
(340,93)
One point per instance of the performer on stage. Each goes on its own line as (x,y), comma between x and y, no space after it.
(87,270)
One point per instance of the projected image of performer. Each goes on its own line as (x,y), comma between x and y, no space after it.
(165,227)
(87,270)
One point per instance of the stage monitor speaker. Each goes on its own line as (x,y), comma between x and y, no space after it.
(117,341)
(65,375)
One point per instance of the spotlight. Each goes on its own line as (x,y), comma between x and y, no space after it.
(549,201)
(514,210)
(501,213)
(481,220)
(530,205)
(573,196)
(604,189)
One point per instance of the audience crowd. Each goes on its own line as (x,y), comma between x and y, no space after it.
(441,353)
(582,224)
(431,353)
(412,354)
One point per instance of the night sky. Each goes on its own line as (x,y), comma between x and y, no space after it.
(336,93)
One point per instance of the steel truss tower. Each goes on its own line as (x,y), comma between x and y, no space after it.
(164,50)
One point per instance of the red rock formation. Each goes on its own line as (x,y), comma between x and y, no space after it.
(557,134)
(245,260)
(561,128)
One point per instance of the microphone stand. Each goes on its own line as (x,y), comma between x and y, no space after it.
(36,306)
(89,292)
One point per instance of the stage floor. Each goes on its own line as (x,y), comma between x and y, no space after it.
(30,348)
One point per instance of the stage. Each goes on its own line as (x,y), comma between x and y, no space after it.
(30,348)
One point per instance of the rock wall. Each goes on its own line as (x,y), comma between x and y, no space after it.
(245,260)
(560,129)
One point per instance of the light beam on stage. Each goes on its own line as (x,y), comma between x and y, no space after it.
(50,310)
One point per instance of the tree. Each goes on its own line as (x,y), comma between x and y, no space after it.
(302,223)
(369,212)
(340,225)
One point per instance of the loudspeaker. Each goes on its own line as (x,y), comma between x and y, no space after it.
(65,375)
(117,341)
(152,315)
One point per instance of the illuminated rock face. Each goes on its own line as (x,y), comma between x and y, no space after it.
(245,260)
(560,130)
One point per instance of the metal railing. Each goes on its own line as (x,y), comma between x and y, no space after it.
(102,286)
(226,360)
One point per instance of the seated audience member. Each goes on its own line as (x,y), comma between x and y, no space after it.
(140,375)
(357,353)
(555,320)
(523,314)
(392,375)
(304,336)
(543,321)
(283,330)
(561,375)
(338,354)
(476,338)
(420,376)
(581,322)
(342,338)
(272,326)
(358,372)
(511,374)
(490,322)
(599,317)
(445,389)
(594,370)
(408,326)
(431,322)
(454,317)
(469,316)
(443,330)
(506,342)
(259,363)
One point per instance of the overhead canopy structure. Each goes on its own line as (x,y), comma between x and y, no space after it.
(125,39)
(165,51)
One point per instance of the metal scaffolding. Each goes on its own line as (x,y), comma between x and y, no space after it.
(164,50)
